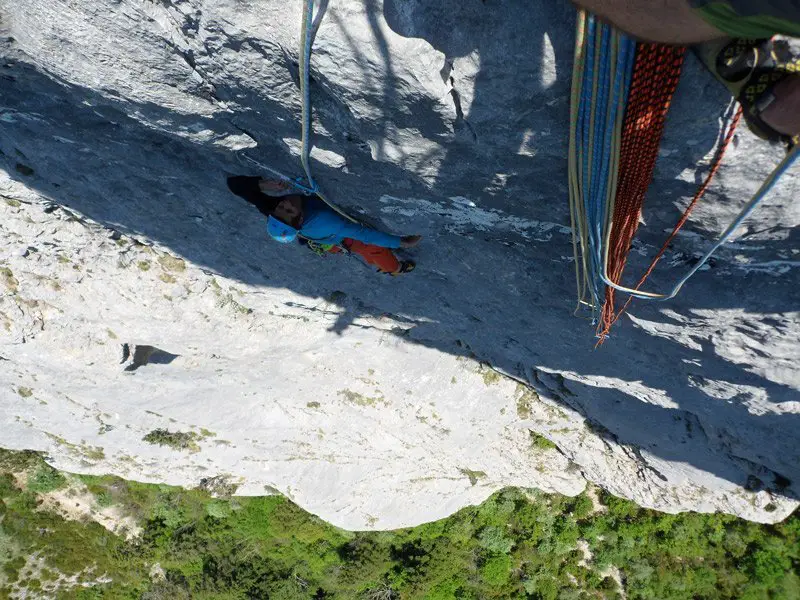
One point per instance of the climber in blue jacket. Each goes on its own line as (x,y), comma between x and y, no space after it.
(290,215)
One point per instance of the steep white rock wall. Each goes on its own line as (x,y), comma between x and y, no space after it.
(369,400)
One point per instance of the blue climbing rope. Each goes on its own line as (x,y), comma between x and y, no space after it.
(604,64)
(608,65)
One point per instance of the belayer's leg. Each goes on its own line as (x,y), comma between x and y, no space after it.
(694,21)
(667,21)
(762,75)
(783,115)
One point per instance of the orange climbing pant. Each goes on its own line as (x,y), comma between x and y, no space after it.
(378,256)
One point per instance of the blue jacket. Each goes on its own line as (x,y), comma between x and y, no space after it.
(324,226)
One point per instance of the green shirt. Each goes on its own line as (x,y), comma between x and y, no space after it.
(751,18)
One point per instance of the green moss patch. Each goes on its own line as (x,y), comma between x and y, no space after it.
(177,440)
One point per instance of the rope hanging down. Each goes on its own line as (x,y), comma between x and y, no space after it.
(609,315)
(601,79)
(788,161)
(308,34)
(599,148)
(656,73)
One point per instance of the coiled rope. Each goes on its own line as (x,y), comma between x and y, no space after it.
(601,79)
(611,160)
(631,219)
(656,73)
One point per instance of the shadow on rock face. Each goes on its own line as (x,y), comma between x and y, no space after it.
(139,355)
(494,293)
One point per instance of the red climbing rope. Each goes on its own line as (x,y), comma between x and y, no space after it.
(655,77)
(715,165)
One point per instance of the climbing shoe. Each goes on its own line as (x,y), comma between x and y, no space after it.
(406,266)
(750,69)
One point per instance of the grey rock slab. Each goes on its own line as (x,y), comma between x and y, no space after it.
(374,402)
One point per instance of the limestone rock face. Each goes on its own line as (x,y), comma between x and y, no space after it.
(148,328)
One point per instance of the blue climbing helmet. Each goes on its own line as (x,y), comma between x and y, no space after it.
(280,231)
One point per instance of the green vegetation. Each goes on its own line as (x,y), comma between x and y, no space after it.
(8,278)
(177,440)
(362,400)
(490,376)
(172,263)
(516,545)
(237,307)
(82,450)
(473,476)
(525,401)
(541,442)
(45,479)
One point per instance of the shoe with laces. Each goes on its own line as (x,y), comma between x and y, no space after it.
(406,266)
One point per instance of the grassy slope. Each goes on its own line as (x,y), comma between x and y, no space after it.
(515,545)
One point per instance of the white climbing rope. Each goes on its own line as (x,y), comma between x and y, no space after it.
(278,175)
(308,33)
(788,161)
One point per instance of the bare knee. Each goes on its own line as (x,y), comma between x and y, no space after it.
(665,21)
(783,115)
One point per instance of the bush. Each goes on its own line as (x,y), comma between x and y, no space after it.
(497,570)
(582,507)
(494,540)
(45,479)
(177,440)
(514,545)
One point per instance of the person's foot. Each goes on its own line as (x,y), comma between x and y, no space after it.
(406,266)
(409,241)
(760,73)
(275,188)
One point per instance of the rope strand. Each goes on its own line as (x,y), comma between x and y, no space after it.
(621,94)
(717,162)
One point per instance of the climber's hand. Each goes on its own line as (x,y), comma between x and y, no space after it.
(274,187)
(409,241)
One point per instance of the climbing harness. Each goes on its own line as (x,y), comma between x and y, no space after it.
(320,249)
(310,26)
(621,92)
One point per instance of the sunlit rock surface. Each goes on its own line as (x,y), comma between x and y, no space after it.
(148,328)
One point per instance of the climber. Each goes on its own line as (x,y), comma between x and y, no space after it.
(291,216)
(763,75)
